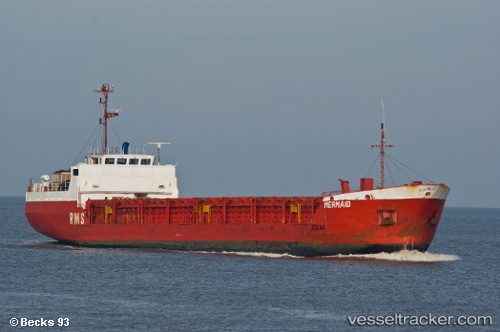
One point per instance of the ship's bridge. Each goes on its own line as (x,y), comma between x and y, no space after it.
(109,175)
(121,159)
(109,172)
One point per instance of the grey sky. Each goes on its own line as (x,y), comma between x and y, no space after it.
(258,97)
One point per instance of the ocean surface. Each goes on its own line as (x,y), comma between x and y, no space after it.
(89,289)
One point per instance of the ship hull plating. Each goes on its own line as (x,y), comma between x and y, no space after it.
(304,226)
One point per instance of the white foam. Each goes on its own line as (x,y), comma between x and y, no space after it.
(260,254)
(398,256)
(405,256)
(243,253)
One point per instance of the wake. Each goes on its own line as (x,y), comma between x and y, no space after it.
(398,256)
(404,256)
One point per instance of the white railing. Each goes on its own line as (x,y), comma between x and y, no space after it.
(117,150)
(49,186)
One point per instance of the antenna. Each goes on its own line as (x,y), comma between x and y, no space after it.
(105,90)
(382,147)
(383,110)
(158,145)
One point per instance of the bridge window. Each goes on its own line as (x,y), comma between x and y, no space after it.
(109,161)
(145,161)
(121,161)
(133,161)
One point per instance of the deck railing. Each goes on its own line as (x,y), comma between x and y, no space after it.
(117,150)
(48,186)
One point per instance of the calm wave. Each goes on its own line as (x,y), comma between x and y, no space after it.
(112,289)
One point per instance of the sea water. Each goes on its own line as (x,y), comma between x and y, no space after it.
(66,288)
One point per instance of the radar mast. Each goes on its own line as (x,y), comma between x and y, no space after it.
(382,147)
(105,90)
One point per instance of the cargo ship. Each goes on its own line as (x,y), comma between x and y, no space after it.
(116,197)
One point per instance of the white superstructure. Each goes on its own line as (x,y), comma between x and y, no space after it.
(106,176)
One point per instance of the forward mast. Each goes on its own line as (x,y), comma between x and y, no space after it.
(382,145)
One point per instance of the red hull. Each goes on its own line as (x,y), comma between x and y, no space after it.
(296,225)
(365,221)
